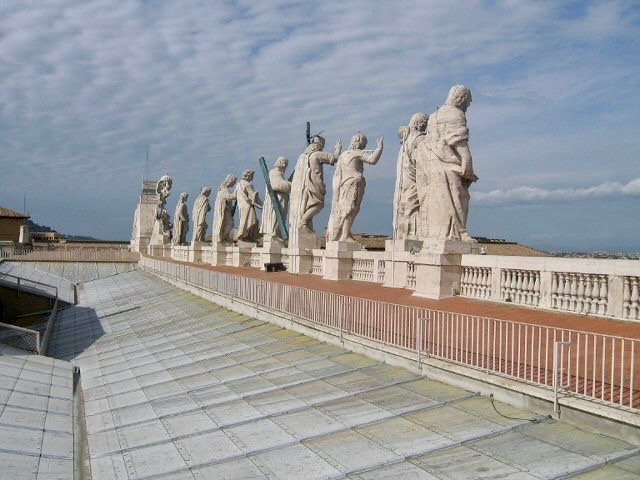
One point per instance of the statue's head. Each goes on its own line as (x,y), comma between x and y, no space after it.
(358,141)
(205,191)
(229,181)
(163,187)
(184,196)
(419,121)
(316,145)
(248,175)
(459,96)
(281,162)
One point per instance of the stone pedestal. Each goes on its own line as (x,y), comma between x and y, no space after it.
(219,253)
(24,238)
(438,269)
(301,254)
(338,259)
(144,217)
(399,255)
(241,254)
(271,253)
(195,251)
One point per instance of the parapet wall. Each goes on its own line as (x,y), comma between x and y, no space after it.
(595,287)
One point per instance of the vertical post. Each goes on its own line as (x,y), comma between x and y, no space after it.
(419,341)
(341,319)
(558,354)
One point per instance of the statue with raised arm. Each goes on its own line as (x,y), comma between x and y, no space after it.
(181,221)
(200,209)
(405,198)
(281,189)
(444,170)
(247,200)
(223,211)
(307,188)
(349,185)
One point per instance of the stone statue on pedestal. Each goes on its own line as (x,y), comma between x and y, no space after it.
(281,188)
(200,209)
(161,234)
(348,187)
(247,200)
(181,221)
(405,198)
(307,188)
(223,211)
(444,171)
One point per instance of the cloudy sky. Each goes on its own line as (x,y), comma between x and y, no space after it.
(210,86)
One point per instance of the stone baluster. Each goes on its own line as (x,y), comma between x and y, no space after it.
(474,282)
(554,290)
(505,282)
(530,291)
(581,296)
(634,299)
(603,295)
(626,298)
(518,293)
(512,286)
(487,282)
(574,293)
(536,289)
(595,294)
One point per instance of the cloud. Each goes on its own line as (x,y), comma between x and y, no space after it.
(532,195)
(212,86)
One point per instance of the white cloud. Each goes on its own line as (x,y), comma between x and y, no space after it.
(539,195)
(211,86)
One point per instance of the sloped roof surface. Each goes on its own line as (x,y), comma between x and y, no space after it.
(7,212)
(178,387)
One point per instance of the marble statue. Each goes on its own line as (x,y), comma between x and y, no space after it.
(181,221)
(349,185)
(444,171)
(223,210)
(281,188)
(200,209)
(161,234)
(307,188)
(405,198)
(247,200)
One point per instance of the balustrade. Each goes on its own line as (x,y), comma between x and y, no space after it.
(520,286)
(363,269)
(317,267)
(630,303)
(411,275)
(580,292)
(476,282)
(254,261)
(381,271)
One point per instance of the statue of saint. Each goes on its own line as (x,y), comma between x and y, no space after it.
(223,211)
(161,234)
(247,200)
(281,188)
(181,221)
(348,187)
(405,198)
(308,188)
(200,209)
(444,171)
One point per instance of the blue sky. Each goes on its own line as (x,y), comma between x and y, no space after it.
(212,86)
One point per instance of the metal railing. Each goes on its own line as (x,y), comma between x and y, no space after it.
(590,365)
(27,338)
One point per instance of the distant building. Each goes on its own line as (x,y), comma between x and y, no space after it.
(10,223)
(45,236)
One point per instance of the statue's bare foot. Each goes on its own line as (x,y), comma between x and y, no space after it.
(306,229)
(465,237)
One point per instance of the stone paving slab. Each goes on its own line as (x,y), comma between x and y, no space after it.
(177,388)
(36,423)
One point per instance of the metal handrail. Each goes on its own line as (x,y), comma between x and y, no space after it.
(601,367)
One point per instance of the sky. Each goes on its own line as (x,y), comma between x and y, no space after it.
(208,87)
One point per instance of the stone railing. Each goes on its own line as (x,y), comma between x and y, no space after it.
(607,288)
(366,266)
(317,266)
(180,253)
(381,271)
(254,260)
(411,275)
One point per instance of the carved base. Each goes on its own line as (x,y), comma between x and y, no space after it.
(195,251)
(438,276)
(242,255)
(271,253)
(338,259)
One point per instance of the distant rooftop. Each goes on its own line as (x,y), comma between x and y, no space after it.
(8,213)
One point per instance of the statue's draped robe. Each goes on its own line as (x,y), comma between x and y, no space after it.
(247,198)
(405,198)
(200,209)
(180,223)
(443,192)
(223,214)
(348,190)
(281,189)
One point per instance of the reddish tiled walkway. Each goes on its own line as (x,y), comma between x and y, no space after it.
(401,296)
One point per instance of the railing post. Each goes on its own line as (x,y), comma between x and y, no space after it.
(558,351)
(341,319)
(419,340)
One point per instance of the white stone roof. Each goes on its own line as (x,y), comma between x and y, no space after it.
(178,387)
